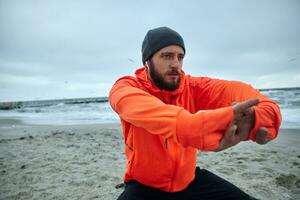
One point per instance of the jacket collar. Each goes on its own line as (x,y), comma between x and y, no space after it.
(142,76)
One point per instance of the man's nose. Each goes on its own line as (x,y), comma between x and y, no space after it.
(176,63)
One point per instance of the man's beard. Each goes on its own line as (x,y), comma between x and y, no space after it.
(159,80)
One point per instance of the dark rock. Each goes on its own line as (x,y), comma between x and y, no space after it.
(120,185)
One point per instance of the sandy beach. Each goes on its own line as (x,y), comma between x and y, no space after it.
(87,162)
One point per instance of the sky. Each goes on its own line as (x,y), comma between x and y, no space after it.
(53,49)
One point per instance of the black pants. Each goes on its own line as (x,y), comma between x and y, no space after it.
(206,186)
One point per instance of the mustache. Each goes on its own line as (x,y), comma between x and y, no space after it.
(173,72)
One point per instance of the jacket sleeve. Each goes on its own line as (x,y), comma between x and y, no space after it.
(221,93)
(143,110)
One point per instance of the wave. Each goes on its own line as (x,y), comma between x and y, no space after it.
(47,103)
(10,105)
(285,89)
(94,110)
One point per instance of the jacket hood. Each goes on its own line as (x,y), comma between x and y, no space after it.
(142,76)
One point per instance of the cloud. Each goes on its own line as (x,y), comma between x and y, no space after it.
(79,48)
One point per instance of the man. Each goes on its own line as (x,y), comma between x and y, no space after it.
(167,116)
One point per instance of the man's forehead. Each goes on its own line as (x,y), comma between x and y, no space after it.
(172,49)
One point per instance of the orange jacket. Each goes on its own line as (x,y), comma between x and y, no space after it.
(163,129)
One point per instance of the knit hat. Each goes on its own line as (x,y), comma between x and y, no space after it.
(159,38)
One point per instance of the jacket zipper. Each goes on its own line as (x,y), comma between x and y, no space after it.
(171,98)
(166,145)
(174,171)
(175,158)
(170,102)
(166,140)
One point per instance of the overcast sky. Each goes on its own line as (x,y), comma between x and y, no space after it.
(70,49)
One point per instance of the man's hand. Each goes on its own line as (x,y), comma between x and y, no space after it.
(244,117)
(229,139)
(246,123)
(262,136)
(242,109)
(241,126)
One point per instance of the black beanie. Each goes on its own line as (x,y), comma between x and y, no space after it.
(159,38)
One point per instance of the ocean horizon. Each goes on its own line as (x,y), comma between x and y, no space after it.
(105,98)
(95,110)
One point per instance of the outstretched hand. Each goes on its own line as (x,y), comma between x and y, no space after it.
(230,138)
(244,118)
(241,126)
(243,108)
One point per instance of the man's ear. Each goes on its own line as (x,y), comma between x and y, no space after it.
(147,65)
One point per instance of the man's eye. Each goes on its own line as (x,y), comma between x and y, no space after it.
(167,56)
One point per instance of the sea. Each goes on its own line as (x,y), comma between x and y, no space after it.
(97,110)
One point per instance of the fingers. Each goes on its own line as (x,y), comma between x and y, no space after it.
(262,136)
(249,111)
(230,134)
(231,130)
(245,105)
(244,108)
(229,139)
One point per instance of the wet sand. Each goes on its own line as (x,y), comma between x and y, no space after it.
(87,162)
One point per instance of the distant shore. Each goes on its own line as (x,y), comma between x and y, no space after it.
(9,105)
(87,162)
(105,98)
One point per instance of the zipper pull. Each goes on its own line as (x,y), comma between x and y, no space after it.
(166,143)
